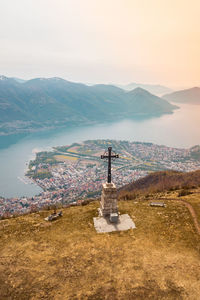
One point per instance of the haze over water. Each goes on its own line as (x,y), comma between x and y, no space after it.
(180,129)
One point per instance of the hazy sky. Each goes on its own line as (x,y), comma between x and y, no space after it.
(115,41)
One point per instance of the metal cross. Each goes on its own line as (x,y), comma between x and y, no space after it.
(109,155)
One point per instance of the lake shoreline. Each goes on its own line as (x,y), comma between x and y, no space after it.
(180,129)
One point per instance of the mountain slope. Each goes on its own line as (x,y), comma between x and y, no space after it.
(190,96)
(164,180)
(51,102)
(19,79)
(67,259)
(155,89)
(145,101)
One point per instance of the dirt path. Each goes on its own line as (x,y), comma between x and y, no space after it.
(193,214)
(191,210)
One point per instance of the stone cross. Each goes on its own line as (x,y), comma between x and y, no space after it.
(109,218)
(109,155)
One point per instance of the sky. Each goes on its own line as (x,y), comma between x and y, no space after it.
(102,41)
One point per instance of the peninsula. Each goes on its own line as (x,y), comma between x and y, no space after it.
(72,173)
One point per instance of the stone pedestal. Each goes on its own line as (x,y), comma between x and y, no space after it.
(108,203)
(104,225)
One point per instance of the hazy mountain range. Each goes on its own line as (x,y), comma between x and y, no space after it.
(155,89)
(190,96)
(38,103)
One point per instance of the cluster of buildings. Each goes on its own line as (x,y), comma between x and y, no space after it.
(163,157)
(18,206)
(78,179)
(73,180)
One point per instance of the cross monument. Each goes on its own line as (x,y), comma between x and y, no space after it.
(109,155)
(109,218)
(108,204)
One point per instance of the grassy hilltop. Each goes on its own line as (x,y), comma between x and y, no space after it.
(67,259)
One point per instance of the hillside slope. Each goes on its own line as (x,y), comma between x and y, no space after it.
(155,89)
(67,259)
(189,96)
(52,102)
(164,180)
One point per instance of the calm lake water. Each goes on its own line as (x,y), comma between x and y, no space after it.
(181,129)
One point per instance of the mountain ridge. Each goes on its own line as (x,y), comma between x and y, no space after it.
(162,181)
(155,89)
(190,96)
(46,102)
(46,260)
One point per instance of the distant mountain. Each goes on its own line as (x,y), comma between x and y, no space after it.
(155,89)
(195,152)
(52,102)
(19,79)
(145,101)
(190,96)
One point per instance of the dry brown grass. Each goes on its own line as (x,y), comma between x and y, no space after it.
(67,259)
(194,200)
(162,181)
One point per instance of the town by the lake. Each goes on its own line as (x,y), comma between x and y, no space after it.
(69,174)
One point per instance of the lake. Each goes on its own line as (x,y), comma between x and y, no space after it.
(180,129)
